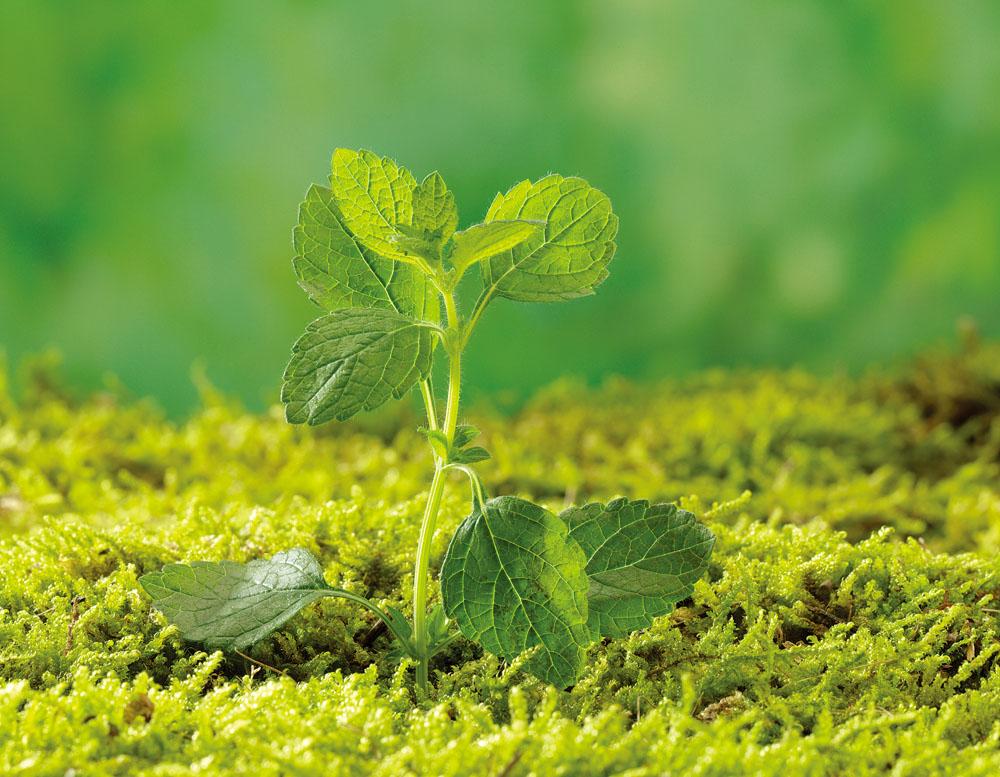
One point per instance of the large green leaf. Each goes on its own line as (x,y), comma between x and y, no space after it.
(512,579)
(337,271)
(641,560)
(228,605)
(568,257)
(481,241)
(435,214)
(352,360)
(375,196)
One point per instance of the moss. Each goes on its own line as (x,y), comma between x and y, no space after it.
(850,622)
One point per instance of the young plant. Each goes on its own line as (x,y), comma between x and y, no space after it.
(381,254)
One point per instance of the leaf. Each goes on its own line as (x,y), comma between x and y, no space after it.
(374,195)
(568,257)
(400,626)
(230,606)
(513,580)
(337,271)
(457,452)
(468,455)
(353,360)
(482,241)
(464,434)
(438,628)
(438,441)
(416,245)
(641,560)
(434,211)
(439,634)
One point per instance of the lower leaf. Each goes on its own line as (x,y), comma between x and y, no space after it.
(512,580)
(641,560)
(230,606)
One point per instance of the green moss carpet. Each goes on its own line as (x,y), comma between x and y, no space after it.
(849,623)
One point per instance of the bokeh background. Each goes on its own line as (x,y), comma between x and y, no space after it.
(798,182)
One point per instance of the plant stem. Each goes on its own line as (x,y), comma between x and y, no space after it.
(428,394)
(420,574)
(454,394)
(420,636)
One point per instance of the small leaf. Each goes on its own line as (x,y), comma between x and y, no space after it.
(566,259)
(438,627)
(337,271)
(416,245)
(402,646)
(456,453)
(438,441)
(482,241)
(641,560)
(512,579)
(434,211)
(353,360)
(464,434)
(468,455)
(398,624)
(229,605)
(374,195)
(439,634)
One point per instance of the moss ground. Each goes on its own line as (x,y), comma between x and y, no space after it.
(849,624)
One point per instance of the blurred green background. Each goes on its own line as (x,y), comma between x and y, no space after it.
(798,182)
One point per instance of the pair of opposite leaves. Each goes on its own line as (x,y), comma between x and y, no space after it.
(363,250)
(515,578)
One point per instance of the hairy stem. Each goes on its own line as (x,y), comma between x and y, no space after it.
(428,394)
(420,574)
(420,636)
(477,311)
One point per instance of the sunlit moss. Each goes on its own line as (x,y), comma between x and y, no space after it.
(850,621)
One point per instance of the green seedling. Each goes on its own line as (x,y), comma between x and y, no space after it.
(380,254)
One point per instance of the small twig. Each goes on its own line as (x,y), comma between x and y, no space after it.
(694,657)
(260,663)
(372,634)
(509,767)
(74,616)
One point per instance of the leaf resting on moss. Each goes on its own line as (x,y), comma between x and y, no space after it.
(641,560)
(513,580)
(228,605)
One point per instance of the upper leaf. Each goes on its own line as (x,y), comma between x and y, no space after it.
(481,241)
(375,195)
(337,271)
(458,452)
(470,455)
(641,560)
(229,605)
(464,434)
(566,259)
(512,579)
(413,243)
(438,441)
(353,360)
(435,214)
